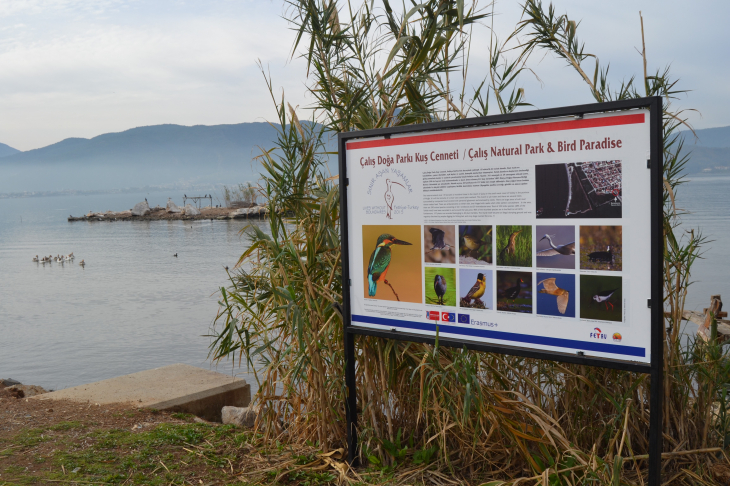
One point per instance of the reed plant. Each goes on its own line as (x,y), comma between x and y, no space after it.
(430,413)
(241,194)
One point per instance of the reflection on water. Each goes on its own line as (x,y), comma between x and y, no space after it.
(134,306)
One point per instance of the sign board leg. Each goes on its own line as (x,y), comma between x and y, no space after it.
(655,422)
(351,398)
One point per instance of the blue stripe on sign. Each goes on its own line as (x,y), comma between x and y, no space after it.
(507,336)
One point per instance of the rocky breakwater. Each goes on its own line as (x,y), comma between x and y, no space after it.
(143,212)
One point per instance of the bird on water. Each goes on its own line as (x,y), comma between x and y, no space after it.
(477,290)
(510,248)
(439,285)
(514,292)
(567,249)
(603,296)
(602,256)
(551,288)
(380,261)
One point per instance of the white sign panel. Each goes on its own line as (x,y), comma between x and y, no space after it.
(532,234)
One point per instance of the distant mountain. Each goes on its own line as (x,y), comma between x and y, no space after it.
(6,150)
(709,152)
(144,156)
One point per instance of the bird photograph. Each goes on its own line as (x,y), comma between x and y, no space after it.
(475,245)
(600,248)
(475,287)
(392,262)
(604,297)
(514,246)
(440,286)
(553,294)
(601,297)
(555,247)
(514,291)
(439,245)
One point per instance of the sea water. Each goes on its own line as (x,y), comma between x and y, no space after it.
(705,197)
(133,306)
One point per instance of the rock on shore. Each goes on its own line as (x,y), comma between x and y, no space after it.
(239,416)
(141,209)
(143,212)
(191,210)
(172,207)
(14,389)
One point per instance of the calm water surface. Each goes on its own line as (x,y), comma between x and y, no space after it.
(706,198)
(133,307)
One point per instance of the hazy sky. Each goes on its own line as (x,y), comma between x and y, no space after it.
(80,68)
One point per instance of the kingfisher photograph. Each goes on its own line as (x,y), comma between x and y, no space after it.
(392,262)
(440,286)
(475,245)
(476,288)
(601,297)
(514,246)
(514,291)
(439,243)
(555,294)
(601,248)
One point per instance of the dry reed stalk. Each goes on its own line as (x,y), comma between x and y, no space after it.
(466,416)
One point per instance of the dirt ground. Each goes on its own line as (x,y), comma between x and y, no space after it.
(60,442)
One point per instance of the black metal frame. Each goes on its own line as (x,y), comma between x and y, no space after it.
(655,369)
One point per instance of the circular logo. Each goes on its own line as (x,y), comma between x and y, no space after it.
(617,337)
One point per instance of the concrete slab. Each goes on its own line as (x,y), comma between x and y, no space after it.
(178,387)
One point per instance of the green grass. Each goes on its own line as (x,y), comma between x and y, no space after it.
(67,426)
(450,275)
(151,457)
(523,246)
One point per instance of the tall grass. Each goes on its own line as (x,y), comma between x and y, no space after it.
(242,194)
(451,414)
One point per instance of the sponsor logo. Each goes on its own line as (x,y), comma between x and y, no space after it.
(464,319)
(598,334)
(475,322)
(617,337)
(448,317)
(433,315)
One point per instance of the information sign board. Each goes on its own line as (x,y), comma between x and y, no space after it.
(534,234)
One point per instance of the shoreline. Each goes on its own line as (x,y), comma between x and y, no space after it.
(181,214)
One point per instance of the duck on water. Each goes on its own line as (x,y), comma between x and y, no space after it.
(58,259)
